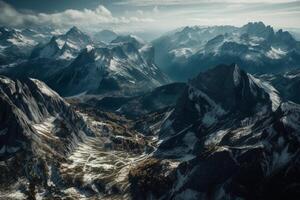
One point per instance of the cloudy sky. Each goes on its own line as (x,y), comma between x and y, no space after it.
(148,15)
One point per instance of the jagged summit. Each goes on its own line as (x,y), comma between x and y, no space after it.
(136,41)
(222,93)
(119,67)
(230,87)
(74,31)
(229,127)
(63,47)
(256,47)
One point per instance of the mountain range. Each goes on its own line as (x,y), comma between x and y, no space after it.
(105,116)
(228,136)
(74,61)
(254,46)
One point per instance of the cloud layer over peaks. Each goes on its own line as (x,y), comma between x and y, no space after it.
(100,16)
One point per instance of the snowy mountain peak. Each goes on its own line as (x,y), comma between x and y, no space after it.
(136,41)
(74,31)
(232,88)
(112,68)
(255,47)
(258,29)
(258,26)
(63,47)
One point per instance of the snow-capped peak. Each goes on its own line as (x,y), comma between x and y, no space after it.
(74,31)
(236,75)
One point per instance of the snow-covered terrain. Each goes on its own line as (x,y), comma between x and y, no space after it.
(241,145)
(254,46)
(59,152)
(124,66)
(15,45)
(84,118)
(66,46)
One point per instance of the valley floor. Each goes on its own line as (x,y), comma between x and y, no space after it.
(98,166)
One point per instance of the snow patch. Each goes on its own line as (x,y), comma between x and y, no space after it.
(276,54)
(236,75)
(44,88)
(215,138)
(89,48)
(67,55)
(215,111)
(22,41)
(73,45)
(268,88)
(60,43)
(182,52)
(46,128)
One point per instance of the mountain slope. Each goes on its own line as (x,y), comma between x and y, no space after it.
(38,129)
(288,84)
(224,94)
(254,46)
(49,58)
(49,151)
(228,137)
(66,46)
(124,67)
(28,109)
(14,45)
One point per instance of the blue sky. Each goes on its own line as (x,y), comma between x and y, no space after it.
(148,15)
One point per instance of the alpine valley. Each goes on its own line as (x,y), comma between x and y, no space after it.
(201,112)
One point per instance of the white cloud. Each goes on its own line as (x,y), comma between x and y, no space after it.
(192,2)
(160,16)
(85,18)
(8,15)
(155,9)
(140,12)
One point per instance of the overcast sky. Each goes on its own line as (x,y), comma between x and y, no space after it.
(148,15)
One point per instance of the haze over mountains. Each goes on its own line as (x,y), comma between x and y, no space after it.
(102,116)
(254,46)
(83,66)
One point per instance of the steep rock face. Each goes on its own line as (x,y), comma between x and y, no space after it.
(125,66)
(172,50)
(256,161)
(64,47)
(30,110)
(49,58)
(49,151)
(288,84)
(233,138)
(219,93)
(258,29)
(255,46)
(14,45)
